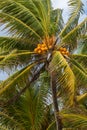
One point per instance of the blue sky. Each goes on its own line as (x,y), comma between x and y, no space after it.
(56,4)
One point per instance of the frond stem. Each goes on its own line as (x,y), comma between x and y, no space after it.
(15,98)
(55,103)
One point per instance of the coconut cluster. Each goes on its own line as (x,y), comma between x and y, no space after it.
(64,51)
(45,45)
(42,48)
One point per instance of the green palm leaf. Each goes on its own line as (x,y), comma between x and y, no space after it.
(3,128)
(58,23)
(82,98)
(74,121)
(51,126)
(74,33)
(17,27)
(64,76)
(22,15)
(18,54)
(41,98)
(30,22)
(14,59)
(81,58)
(83,41)
(16,78)
(7,119)
(80,73)
(76,7)
(34,21)
(31,109)
(10,43)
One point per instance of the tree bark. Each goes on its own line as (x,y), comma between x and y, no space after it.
(55,103)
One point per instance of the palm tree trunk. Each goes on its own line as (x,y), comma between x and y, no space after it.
(55,103)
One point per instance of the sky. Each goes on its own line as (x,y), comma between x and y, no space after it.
(63,4)
(56,4)
(60,4)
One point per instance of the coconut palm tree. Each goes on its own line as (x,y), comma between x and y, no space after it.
(38,41)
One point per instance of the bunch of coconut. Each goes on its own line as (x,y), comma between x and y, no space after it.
(64,51)
(45,45)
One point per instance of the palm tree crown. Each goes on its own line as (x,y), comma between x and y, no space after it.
(39,43)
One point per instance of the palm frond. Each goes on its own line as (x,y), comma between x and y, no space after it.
(9,43)
(74,121)
(74,33)
(84,49)
(17,27)
(83,42)
(58,23)
(76,63)
(6,119)
(14,59)
(7,60)
(51,126)
(3,128)
(64,76)
(18,54)
(43,90)
(81,58)
(26,16)
(20,76)
(82,98)
(30,110)
(28,10)
(44,9)
(33,17)
(80,73)
(76,7)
